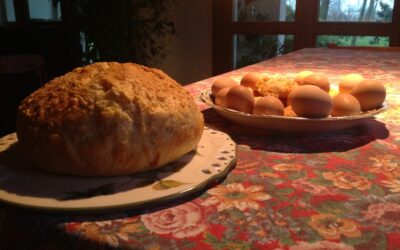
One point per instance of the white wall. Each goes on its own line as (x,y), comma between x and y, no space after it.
(190,56)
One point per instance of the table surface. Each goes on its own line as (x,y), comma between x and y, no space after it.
(332,190)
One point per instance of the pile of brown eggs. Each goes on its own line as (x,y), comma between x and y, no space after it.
(308,95)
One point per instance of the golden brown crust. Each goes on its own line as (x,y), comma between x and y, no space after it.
(108,119)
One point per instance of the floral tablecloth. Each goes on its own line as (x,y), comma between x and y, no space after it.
(332,190)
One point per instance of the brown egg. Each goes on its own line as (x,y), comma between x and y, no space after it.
(268,105)
(288,100)
(300,76)
(318,80)
(370,93)
(250,79)
(345,105)
(240,98)
(348,82)
(220,97)
(310,101)
(222,82)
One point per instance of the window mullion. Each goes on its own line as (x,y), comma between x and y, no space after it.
(21,12)
(395,34)
(305,22)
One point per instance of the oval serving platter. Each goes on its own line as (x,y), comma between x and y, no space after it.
(290,124)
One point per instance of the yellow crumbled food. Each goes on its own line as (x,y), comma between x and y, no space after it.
(279,86)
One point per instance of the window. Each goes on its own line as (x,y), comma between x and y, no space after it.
(259,10)
(7,12)
(44,10)
(29,12)
(252,48)
(248,31)
(356,10)
(379,41)
(371,21)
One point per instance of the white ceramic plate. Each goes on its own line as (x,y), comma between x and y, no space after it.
(23,185)
(290,124)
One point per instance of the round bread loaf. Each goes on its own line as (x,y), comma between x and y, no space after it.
(108,119)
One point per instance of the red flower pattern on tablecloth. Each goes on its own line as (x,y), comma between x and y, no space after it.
(287,167)
(393,185)
(236,196)
(385,214)
(248,165)
(332,227)
(338,190)
(320,245)
(303,184)
(388,165)
(110,232)
(347,180)
(182,221)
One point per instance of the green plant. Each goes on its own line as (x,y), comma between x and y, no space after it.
(255,48)
(122,30)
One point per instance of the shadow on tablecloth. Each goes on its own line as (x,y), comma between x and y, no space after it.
(319,142)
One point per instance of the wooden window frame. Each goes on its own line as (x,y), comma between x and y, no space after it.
(305,29)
